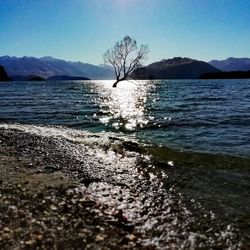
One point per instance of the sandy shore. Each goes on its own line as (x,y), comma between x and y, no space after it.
(73,191)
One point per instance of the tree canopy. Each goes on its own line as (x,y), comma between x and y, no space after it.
(125,57)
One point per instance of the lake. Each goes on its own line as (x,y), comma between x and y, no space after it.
(211,116)
(201,128)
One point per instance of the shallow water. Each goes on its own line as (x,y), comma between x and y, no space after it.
(201,129)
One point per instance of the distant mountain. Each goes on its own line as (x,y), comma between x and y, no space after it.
(20,68)
(63,77)
(176,68)
(48,66)
(232,64)
(3,75)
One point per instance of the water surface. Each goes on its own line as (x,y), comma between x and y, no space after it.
(200,128)
(204,116)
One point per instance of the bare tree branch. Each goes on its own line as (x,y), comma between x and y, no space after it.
(125,58)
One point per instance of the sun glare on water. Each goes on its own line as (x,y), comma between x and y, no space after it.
(123,107)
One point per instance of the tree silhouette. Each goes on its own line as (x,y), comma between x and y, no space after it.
(125,57)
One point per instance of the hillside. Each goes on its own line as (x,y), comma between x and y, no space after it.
(176,68)
(232,64)
(48,66)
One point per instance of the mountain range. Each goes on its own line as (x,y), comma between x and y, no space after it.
(21,68)
(232,64)
(48,66)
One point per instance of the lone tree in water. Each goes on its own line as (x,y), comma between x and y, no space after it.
(125,57)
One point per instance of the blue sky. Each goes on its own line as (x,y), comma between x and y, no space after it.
(82,30)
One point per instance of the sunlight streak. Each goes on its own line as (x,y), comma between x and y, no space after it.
(124,107)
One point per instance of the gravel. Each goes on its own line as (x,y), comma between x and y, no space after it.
(62,192)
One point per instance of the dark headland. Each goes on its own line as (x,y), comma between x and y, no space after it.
(227,75)
(66,78)
(3,75)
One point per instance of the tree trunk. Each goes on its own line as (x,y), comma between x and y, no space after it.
(119,80)
(115,84)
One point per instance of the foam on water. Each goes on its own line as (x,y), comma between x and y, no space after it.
(58,132)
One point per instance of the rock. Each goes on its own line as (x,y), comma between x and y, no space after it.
(86,181)
(30,242)
(53,207)
(38,237)
(6,230)
(130,237)
(6,236)
(99,237)
(119,215)
(51,169)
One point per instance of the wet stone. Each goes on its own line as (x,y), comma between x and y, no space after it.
(51,169)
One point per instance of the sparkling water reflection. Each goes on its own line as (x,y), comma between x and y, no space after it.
(124,107)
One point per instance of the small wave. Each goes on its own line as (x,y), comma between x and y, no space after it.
(205,99)
(178,124)
(62,133)
(236,121)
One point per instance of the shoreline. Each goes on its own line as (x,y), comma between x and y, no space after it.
(74,191)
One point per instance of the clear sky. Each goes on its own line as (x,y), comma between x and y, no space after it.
(82,30)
